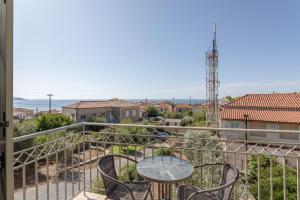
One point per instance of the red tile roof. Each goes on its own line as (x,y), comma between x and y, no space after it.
(282,108)
(262,115)
(274,101)
(164,105)
(22,110)
(101,104)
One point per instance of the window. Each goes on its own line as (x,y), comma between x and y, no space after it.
(83,117)
(134,113)
(127,113)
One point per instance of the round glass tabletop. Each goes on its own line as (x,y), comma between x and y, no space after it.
(165,169)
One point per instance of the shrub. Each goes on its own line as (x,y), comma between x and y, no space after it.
(129,173)
(21,128)
(195,144)
(97,119)
(199,116)
(172,115)
(163,152)
(98,186)
(277,174)
(187,120)
(51,121)
(151,111)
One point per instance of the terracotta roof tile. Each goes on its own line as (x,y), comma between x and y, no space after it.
(164,105)
(262,115)
(101,104)
(268,101)
(22,110)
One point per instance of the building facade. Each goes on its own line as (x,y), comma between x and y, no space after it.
(164,107)
(23,113)
(183,108)
(277,111)
(113,110)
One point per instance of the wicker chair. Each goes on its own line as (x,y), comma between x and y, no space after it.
(117,190)
(228,178)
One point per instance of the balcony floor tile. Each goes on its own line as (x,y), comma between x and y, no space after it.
(89,196)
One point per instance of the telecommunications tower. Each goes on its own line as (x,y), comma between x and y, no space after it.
(212,84)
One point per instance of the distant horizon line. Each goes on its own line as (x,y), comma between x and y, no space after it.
(94,99)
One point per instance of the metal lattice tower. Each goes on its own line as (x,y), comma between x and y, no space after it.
(212,84)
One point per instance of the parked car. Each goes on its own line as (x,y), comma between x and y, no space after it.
(161,135)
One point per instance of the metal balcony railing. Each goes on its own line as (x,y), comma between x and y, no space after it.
(61,163)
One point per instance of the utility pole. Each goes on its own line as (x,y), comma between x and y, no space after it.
(246,117)
(49,95)
(190,100)
(36,112)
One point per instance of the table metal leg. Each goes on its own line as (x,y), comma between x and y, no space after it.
(164,191)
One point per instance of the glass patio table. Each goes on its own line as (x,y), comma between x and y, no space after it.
(164,170)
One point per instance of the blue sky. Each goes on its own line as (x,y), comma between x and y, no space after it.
(153,48)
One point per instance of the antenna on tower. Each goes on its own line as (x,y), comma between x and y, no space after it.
(215,39)
(212,83)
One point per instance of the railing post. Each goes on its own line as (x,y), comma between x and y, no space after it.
(298,178)
(83,130)
(271,178)
(284,177)
(258,177)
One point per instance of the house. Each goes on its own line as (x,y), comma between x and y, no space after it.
(277,111)
(143,108)
(23,113)
(47,112)
(183,108)
(114,110)
(199,107)
(164,107)
(172,122)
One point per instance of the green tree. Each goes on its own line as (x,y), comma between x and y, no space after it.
(196,144)
(151,111)
(228,99)
(198,147)
(97,119)
(21,128)
(172,115)
(277,175)
(163,152)
(199,118)
(51,121)
(131,132)
(187,120)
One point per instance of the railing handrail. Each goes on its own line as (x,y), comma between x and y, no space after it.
(236,130)
(33,135)
(232,130)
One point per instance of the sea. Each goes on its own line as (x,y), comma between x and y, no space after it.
(57,104)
